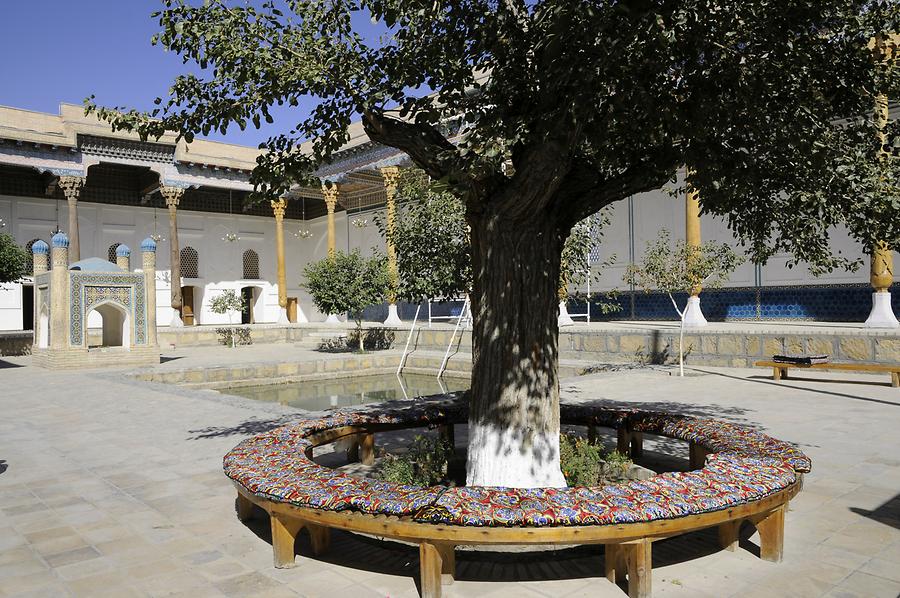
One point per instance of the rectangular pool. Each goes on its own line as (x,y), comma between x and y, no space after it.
(316,395)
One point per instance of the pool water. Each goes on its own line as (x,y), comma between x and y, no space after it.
(317,395)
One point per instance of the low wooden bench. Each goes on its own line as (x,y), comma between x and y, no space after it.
(258,467)
(780,369)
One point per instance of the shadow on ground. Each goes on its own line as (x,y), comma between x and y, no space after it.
(888,513)
(7,364)
(3,466)
(578,562)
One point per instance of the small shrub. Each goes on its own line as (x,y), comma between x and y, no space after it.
(423,464)
(585,464)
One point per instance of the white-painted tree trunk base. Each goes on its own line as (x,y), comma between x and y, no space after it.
(282,316)
(501,457)
(393,318)
(564,318)
(882,315)
(301,317)
(693,315)
(332,319)
(176,320)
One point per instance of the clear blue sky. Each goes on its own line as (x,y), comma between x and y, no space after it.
(65,50)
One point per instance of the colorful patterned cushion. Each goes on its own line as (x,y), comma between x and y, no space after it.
(728,480)
(746,465)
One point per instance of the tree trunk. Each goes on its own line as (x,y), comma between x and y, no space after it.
(514,405)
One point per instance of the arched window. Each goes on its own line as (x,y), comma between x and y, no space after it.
(251,265)
(111,252)
(28,247)
(190,263)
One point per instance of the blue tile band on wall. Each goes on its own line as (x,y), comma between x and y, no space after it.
(820,303)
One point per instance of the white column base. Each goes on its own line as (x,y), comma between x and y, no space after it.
(564,318)
(393,318)
(176,320)
(282,315)
(693,315)
(882,315)
(332,319)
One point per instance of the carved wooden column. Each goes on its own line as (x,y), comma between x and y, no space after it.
(173,195)
(885,49)
(278,208)
(331,195)
(71,187)
(693,316)
(391,176)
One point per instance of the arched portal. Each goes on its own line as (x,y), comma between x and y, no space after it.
(116,324)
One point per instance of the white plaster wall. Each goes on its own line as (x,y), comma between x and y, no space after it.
(220,262)
(656,210)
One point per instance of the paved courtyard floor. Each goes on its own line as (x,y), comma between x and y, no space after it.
(110,487)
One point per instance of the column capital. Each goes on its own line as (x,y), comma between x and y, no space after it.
(71,186)
(172,195)
(885,46)
(278,208)
(331,195)
(391,176)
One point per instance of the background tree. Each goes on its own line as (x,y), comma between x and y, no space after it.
(680,269)
(14,260)
(556,109)
(348,282)
(431,239)
(228,302)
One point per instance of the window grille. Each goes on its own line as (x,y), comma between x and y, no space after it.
(111,252)
(190,263)
(30,255)
(251,265)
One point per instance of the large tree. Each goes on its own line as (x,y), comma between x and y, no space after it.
(538,113)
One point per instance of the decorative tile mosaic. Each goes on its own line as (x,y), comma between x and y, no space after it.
(88,290)
(821,303)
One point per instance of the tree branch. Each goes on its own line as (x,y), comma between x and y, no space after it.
(430,150)
(586,192)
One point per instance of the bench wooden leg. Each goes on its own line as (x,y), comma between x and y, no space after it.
(432,565)
(244,507)
(630,443)
(284,533)
(771,535)
(697,456)
(614,562)
(447,434)
(895,379)
(319,537)
(729,534)
(623,440)
(367,449)
(637,445)
(638,562)
(448,563)
(777,372)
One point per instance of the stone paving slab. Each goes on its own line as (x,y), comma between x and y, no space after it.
(110,487)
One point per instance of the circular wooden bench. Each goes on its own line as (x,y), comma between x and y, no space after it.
(740,475)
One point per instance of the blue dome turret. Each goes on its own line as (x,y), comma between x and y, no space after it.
(148,244)
(39,247)
(123,250)
(60,240)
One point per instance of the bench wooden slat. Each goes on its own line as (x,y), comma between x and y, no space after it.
(857,367)
(780,369)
